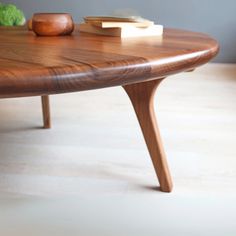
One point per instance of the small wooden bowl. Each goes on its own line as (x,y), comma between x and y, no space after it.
(52,24)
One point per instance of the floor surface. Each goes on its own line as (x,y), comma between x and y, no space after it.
(91,173)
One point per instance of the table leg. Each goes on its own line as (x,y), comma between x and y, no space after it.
(142,98)
(46,112)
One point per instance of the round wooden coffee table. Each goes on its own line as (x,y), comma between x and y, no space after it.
(40,66)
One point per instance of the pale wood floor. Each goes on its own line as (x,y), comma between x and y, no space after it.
(92,167)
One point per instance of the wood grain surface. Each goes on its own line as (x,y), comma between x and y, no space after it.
(31,65)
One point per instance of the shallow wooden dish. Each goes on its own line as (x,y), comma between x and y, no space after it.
(52,24)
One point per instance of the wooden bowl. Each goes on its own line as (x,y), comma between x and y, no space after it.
(52,24)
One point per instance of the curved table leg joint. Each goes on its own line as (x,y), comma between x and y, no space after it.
(142,98)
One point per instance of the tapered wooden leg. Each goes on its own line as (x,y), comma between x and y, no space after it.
(46,112)
(142,98)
